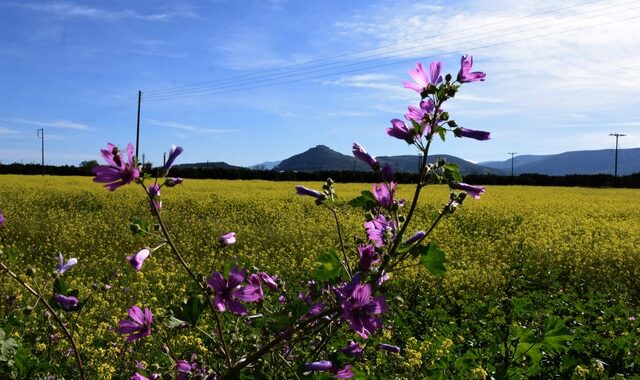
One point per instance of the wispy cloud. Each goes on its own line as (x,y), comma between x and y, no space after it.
(7,131)
(68,9)
(186,127)
(64,124)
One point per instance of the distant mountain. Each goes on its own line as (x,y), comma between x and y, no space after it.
(220,165)
(578,162)
(268,165)
(323,158)
(517,161)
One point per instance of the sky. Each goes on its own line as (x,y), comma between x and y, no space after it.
(249,81)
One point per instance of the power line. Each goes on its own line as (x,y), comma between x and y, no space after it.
(252,85)
(301,67)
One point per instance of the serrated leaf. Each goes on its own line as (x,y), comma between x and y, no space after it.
(330,267)
(366,200)
(432,258)
(554,339)
(8,347)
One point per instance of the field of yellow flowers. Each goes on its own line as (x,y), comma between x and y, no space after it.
(547,279)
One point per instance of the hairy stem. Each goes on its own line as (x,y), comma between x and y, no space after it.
(55,315)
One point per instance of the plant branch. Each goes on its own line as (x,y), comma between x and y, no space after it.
(344,252)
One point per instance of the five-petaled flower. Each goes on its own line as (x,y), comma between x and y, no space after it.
(368,256)
(137,259)
(229,292)
(140,324)
(472,190)
(422,79)
(420,114)
(117,173)
(383,193)
(464,75)
(62,266)
(1,218)
(359,310)
(380,230)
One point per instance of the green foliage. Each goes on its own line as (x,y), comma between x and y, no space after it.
(329,268)
(431,257)
(8,347)
(366,201)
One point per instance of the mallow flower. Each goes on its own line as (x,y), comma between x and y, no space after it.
(229,292)
(154,192)
(379,230)
(227,239)
(383,193)
(464,75)
(368,256)
(1,218)
(173,154)
(140,324)
(62,266)
(389,348)
(359,310)
(472,190)
(301,190)
(417,114)
(137,259)
(67,302)
(327,366)
(360,153)
(422,78)
(400,131)
(470,133)
(117,173)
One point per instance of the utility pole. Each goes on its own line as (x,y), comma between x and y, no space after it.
(617,135)
(138,125)
(41,137)
(512,154)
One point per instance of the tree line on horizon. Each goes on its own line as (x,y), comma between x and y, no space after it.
(525,179)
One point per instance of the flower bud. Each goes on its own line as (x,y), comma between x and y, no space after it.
(30,272)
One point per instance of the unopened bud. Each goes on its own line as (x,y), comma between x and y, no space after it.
(30,272)
(27,310)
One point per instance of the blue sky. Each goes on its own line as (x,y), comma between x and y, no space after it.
(248,81)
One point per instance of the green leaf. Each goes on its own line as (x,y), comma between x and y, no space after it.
(554,338)
(60,287)
(330,267)
(442,133)
(139,227)
(366,200)
(191,310)
(432,258)
(452,172)
(8,347)
(173,322)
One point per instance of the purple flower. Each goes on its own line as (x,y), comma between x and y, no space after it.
(327,366)
(183,366)
(62,266)
(154,193)
(387,172)
(383,193)
(173,154)
(380,230)
(367,255)
(353,349)
(140,324)
(136,260)
(314,310)
(254,280)
(270,281)
(228,292)
(478,135)
(464,76)
(359,309)
(282,299)
(415,237)
(172,181)
(138,376)
(423,79)
(227,239)
(389,348)
(1,218)
(400,131)
(418,115)
(67,302)
(472,190)
(117,173)
(301,190)
(362,155)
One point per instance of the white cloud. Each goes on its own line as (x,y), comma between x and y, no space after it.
(67,9)
(7,131)
(64,124)
(186,127)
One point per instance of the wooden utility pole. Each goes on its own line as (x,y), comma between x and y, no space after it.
(512,154)
(41,137)
(617,135)
(138,125)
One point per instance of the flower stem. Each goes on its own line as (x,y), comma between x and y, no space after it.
(344,252)
(55,315)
